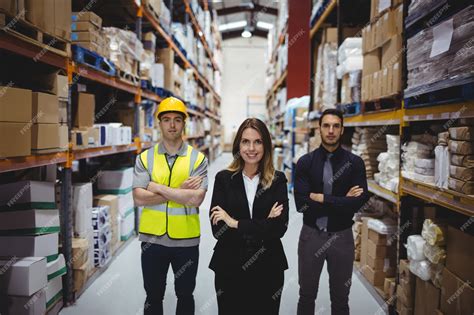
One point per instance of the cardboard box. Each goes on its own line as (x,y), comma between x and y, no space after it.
(457,296)
(385,90)
(53,291)
(44,137)
(45,108)
(406,293)
(374,5)
(12,6)
(18,142)
(379,35)
(18,99)
(364,242)
(396,78)
(61,88)
(56,268)
(87,16)
(380,251)
(80,277)
(116,181)
(459,254)
(23,276)
(389,287)
(36,304)
(392,51)
(80,252)
(375,86)
(371,62)
(90,36)
(63,137)
(91,46)
(62,20)
(29,222)
(376,278)
(427,297)
(404,271)
(377,238)
(83,27)
(112,201)
(85,110)
(29,246)
(24,195)
(398,19)
(388,27)
(42,14)
(383,264)
(63,113)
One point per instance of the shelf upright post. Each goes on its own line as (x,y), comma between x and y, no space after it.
(66,203)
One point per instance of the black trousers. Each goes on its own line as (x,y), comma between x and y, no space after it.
(156,260)
(249,292)
(337,249)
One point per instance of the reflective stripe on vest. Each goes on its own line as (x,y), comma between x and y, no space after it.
(172,218)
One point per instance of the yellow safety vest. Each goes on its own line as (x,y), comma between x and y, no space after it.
(177,220)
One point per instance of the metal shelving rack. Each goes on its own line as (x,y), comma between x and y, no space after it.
(65,159)
(404,117)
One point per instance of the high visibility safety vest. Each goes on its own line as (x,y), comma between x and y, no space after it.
(177,220)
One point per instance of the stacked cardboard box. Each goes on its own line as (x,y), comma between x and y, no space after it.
(86,31)
(165,56)
(405,289)
(461,170)
(382,48)
(119,183)
(357,233)
(457,296)
(15,121)
(29,246)
(80,261)
(418,158)
(45,118)
(381,258)
(52,16)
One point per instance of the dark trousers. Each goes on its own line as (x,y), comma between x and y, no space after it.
(337,249)
(249,292)
(156,260)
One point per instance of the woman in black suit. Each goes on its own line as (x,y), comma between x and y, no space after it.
(249,215)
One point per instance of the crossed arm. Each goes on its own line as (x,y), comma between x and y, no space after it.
(188,194)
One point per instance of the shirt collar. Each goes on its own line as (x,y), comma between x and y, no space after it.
(183,150)
(255,178)
(335,154)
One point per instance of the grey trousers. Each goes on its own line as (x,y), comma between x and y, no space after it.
(314,248)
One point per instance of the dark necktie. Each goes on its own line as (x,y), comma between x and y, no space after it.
(322,222)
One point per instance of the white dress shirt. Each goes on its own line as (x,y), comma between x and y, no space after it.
(251,186)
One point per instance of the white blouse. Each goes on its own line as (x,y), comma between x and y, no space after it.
(251,186)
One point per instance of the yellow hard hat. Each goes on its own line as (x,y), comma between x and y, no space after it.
(172,104)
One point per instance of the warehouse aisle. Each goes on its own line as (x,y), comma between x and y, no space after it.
(120,289)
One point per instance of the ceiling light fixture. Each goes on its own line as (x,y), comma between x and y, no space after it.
(246,33)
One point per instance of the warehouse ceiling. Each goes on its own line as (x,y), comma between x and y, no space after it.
(234,16)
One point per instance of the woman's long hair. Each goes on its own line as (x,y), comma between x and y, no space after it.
(266,168)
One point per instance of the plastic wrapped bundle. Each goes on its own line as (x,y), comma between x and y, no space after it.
(443,138)
(349,56)
(415,247)
(385,226)
(433,234)
(441,166)
(427,65)
(421,268)
(418,7)
(434,254)
(329,98)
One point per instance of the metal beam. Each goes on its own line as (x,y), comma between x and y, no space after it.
(246,8)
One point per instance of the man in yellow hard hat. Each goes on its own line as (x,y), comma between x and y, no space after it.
(170,183)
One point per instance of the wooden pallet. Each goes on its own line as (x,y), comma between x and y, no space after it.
(382,104)
(28,32)
(92,59)
(128,77)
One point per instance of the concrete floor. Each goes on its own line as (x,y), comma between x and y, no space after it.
(119,290)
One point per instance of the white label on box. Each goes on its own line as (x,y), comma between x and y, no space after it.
(384,4)
(442,36)
(395,66)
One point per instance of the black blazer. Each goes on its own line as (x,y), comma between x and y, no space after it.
(255,244)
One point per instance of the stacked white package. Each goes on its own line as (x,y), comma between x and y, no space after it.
(389,164)
(442,161)
(349,56)
(420,150)
(368,143)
